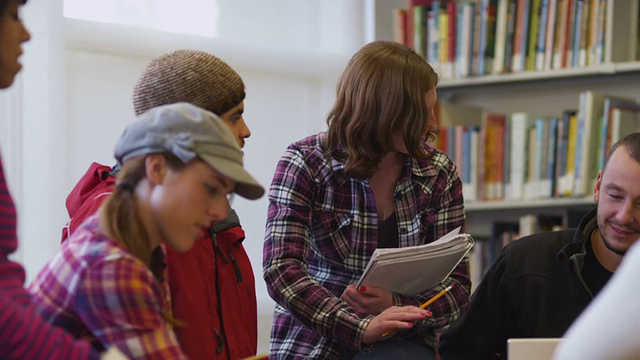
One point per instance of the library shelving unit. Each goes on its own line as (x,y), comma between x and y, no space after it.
(544,93)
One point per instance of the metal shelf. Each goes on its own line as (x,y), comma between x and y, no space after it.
(536,76)
(528,204)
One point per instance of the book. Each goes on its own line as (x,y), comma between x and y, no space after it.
(537,58)
(534,17)
(477,264)
(511,23)
(618,120)
(563,184)
(520,36)
(519,149)
(446,68)
(400,25)
(593,28)
(494,124)
(560,36)
(585,171)
(420,34)
(552,11)
(470,190)
(500,37)
(571,156)
(475,39)
(506,160)
(592,108)
(466,26)
(486,52)
(570,35)
(451,9)
(621,31)
(537,159)
(414,269)
(433,51)
(577,33)
(624,121)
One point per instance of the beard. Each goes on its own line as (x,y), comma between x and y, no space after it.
(610,247)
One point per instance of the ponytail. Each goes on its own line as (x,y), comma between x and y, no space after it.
(120,219)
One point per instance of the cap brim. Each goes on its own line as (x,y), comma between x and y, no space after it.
(246,185)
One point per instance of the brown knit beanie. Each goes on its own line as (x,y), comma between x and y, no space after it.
(188,76)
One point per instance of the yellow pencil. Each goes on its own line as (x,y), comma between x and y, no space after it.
(426,303)
(436,297)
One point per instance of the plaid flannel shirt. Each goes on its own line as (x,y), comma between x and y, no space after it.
(322,228)
(95,288)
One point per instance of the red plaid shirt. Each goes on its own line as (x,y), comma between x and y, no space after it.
(94,287)
(23,334)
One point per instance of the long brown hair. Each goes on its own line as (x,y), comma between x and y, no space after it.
(120,219)
(381,92)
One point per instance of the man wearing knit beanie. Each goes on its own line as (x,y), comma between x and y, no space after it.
(198,78)
(212,286)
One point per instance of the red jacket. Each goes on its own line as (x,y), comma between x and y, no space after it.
(212,285)
(87,196)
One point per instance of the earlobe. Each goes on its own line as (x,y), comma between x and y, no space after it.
(155,168)
(596,187)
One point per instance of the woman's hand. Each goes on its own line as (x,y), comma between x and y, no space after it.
(393,318)
(370,299)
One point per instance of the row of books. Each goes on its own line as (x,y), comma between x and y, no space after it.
(479,37)
(522,156)
(487,248)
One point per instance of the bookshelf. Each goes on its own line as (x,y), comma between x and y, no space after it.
(545,92)
(551,76)
(480,215)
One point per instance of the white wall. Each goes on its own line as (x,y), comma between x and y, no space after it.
(74,98)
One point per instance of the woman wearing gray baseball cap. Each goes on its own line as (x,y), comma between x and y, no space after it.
(178,164)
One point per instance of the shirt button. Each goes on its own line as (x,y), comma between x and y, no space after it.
(403,230)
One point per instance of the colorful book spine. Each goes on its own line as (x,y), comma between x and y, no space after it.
(509,44)
(501,37)
(530,57)
(552,13)
(541,40)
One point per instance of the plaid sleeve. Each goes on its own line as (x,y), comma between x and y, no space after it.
(122,304)
(450,216)
(25,335)
(286,248)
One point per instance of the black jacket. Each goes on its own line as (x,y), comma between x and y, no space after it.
(534,289)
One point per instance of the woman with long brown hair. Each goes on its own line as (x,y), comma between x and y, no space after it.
(372,180)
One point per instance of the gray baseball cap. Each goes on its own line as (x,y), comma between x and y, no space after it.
(187,131)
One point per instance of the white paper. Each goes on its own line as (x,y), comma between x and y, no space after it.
(414,269)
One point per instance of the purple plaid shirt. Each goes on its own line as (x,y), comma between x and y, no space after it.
(322,228)
(93,287)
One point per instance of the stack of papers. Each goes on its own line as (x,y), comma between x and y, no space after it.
(414,269)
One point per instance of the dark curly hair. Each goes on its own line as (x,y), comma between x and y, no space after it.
(5,3)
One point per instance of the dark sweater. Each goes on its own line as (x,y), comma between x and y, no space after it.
(534,289)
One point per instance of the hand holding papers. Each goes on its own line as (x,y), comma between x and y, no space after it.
(411,270)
